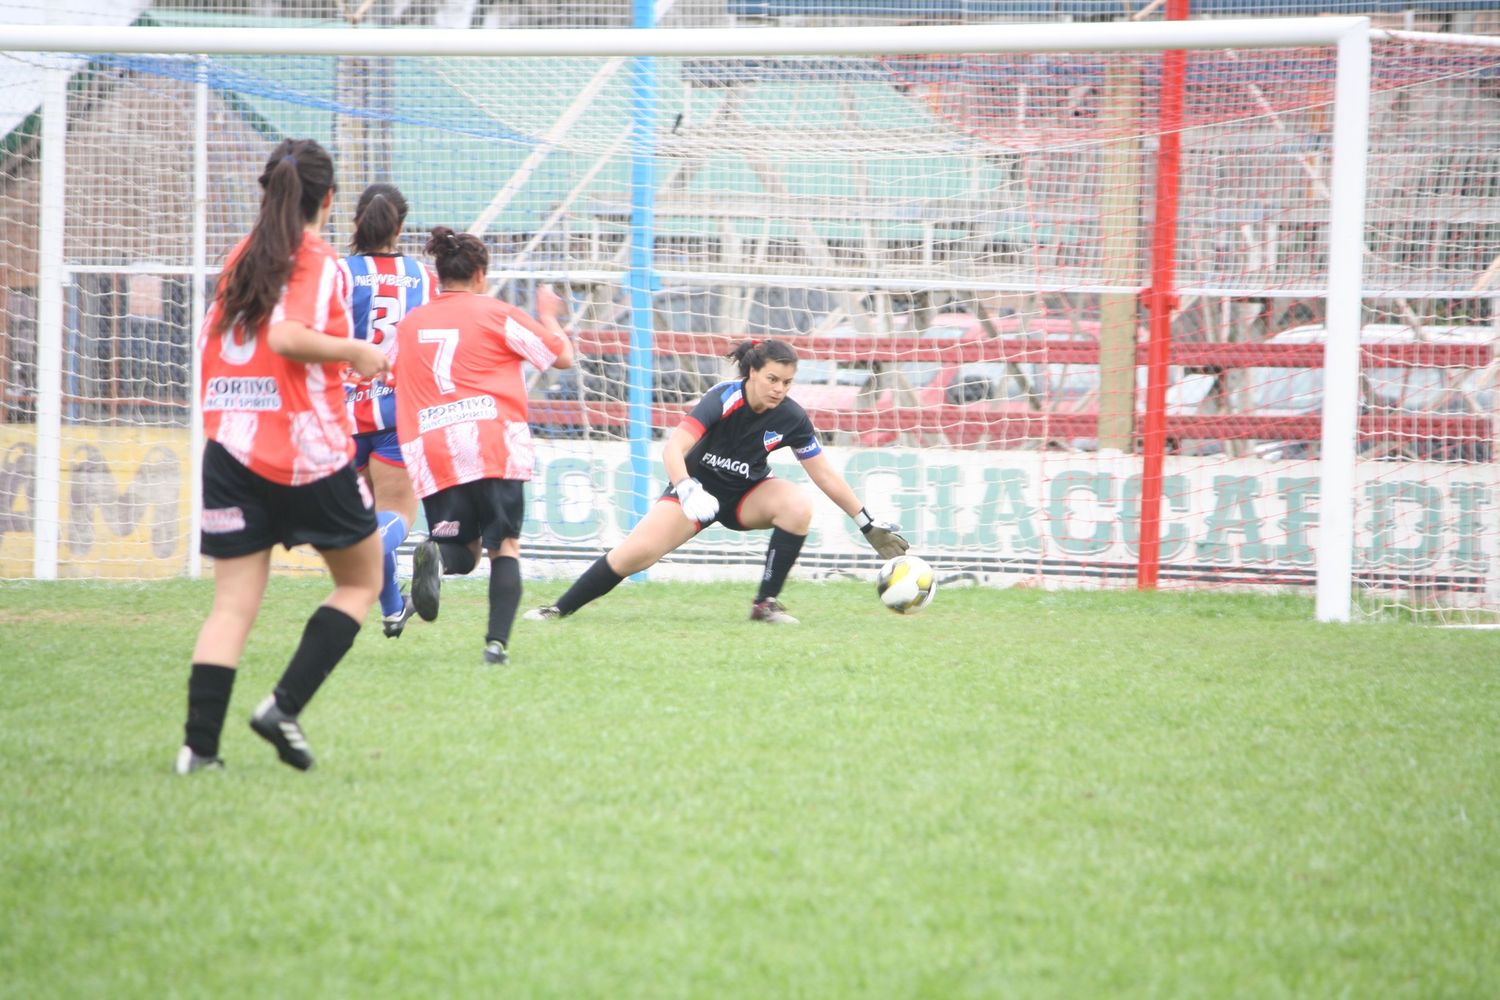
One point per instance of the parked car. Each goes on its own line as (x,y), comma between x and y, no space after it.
(865,385)
(1393,392)
(596,380)
(1025,389)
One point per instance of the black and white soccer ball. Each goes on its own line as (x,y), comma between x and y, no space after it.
(906,584)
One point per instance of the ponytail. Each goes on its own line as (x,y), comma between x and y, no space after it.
(297,177)
(378,218)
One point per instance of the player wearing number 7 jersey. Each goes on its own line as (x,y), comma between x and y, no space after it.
(462,418)
(380,287)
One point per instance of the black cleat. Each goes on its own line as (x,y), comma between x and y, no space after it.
(189,762)
(770,610)
(495,654)
(393,624)
(426,579)
(282,732)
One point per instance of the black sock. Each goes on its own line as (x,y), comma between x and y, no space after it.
(595,582)
(325,640)
(458,559)
(505,596)
(780,555)
(209,688)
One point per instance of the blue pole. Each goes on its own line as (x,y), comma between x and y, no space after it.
(641,279)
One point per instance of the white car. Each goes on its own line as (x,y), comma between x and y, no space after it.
(1394,390)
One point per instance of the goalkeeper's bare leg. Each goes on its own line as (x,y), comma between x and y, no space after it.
(662,530)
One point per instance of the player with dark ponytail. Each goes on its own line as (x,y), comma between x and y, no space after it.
(277,468)
(292,188)
(462,418)
(716,464)
(382,285)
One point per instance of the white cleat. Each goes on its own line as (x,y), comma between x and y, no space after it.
(188,762)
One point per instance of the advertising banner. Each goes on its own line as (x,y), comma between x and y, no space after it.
(124,502)
(1007,516)
(1002,517)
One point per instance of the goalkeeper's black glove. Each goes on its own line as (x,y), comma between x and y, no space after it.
(881,535)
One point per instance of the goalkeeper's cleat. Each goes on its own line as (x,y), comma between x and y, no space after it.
(188,762)
(282,732)
(393,624)
(770,610)
(426,578)
(545,613)
(495,654)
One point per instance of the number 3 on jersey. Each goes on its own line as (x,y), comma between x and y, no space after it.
(442,365)
(385,313)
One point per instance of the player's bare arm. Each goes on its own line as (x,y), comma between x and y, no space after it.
(300,342)
(833,484)
(549,309)
(697,504)
(884,536)
(674,454)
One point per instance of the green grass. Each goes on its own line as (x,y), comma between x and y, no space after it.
(1015,793)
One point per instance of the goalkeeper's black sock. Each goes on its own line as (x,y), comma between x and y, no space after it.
(209,687)
(505,596)
(458,559)
(595,582)
(325,640)
(780,554)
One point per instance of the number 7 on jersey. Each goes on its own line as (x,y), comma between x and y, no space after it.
(442,365)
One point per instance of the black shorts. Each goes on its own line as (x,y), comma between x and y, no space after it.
(729,502)
(245,513)
(491,510)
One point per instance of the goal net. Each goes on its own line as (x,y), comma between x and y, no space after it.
(966,249)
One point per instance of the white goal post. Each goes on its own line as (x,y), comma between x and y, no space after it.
(1348,37)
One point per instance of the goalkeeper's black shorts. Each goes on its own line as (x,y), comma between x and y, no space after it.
(729,499)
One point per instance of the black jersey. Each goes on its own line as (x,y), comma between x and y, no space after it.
(736,440)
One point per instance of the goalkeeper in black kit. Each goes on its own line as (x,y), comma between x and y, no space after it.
(716,463)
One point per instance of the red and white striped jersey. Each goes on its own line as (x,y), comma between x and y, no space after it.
(284,420)
(380,290)
(461,409)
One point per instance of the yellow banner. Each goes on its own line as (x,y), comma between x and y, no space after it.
(124,503)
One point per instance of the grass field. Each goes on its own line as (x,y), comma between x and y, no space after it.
(1015,793)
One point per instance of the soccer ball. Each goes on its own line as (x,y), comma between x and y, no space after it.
(906,585)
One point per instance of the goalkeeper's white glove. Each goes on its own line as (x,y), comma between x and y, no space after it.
(697,503)
(881,535)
